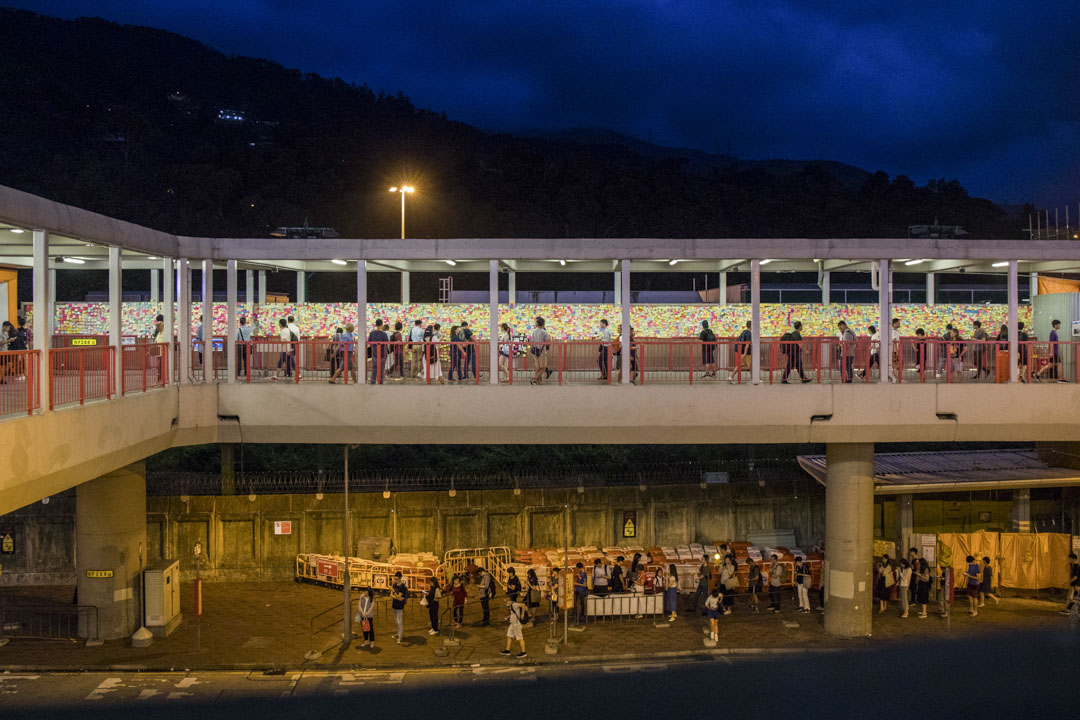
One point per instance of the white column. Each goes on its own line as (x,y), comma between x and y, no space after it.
(493,321)
(723,288)
(361,320)
(262,289)
(249,292)
(208,319)
(230,320)
(405,296)
(1033,285)
(885,318)
(41,323)
(511,288)
(183,330)
(116,310)
(167,310)
(755,322)
(155,287)
(930,288)
(618,289)
(826,287)
(301,287)
(52,304)
(1014,301)
(623,290)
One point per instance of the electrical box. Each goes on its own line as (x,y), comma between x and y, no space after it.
(161,582)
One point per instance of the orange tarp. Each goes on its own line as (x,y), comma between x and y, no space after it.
(1025,561)
(1051,285)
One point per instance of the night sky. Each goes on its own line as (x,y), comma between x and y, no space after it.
(987,93)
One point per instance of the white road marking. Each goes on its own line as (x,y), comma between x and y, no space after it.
(107,685)
(371,678)
(187,682)
(177,695)
(147,694)
(621,669)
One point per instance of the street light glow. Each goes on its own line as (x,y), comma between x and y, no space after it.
(562,262)
(451,263)
(913,262)
(1003,263)
(17,231)
(765,262)
(339,262)
(74,260)
(394,189)
(673,262)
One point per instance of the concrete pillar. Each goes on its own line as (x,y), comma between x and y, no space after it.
(930,288)
(262,287)
(849,538)
(230,320)
(511,288)
(41,324)
(361,319)
(1014,301)
(116,310)
(755,322)
(826,287)
(1033,285)
(249,292)
(228,469)
(618,288)
(301,287)
(155,287)
(1021,511)
(493,322)
(183,331)
(207,313)
(110,536)
(52,303)
(885,318)
(905,515)
(406,298)
(722,300)
(168,310)
(624,301)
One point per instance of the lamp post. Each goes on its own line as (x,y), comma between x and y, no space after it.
(403,190)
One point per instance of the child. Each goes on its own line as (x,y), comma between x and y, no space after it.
(712,606)
(986,590)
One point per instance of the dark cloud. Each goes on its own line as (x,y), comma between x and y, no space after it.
(983,92)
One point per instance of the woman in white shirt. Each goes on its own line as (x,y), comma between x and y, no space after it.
(905,585)
(505,338)
(288,358)
(365,613)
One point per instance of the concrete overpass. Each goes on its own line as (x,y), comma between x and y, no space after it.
(89,446)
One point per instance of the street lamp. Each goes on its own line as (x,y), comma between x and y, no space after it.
(403,189)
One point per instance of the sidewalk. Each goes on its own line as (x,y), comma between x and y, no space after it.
(257,626)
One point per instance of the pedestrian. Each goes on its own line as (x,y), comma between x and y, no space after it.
(913,562)
(708,349)
(459,594)
(397,351)
(729,581)
(469,349)
(981,354)
(847,351)
(335,353)
(581,592)
(704,580)
(922,594)
(1023,350)
(616,583)
(457,354)
(541,343)
(753,583)
(399,594)
(506,339)
(633,356)
(920,352)
(486,586)
(986,586)
(776,579)
(599,578)
(973,575)
(365,616)
(1073,597)
(885,580)
(1053,364)
(957,352)
(552,593)
(377,343)
(518,617)
(803,581)
(513,585)
(603,354)
(532,592)
(744,351)
(671,594)
(793,356)
(712,605)
(431,599)
(875,353)
(416,348)
(243,344)
(288,357)
(434,361)
(199,344)
(905,587)
(894,338)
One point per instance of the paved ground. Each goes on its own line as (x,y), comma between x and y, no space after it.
(269,625)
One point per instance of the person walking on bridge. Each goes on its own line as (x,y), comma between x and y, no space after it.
(541,344)
(416,348)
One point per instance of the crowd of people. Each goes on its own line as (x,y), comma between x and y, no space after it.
(13,337)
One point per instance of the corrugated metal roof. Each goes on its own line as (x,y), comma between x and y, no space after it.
(955,470)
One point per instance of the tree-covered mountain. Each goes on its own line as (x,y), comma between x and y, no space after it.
(161,130)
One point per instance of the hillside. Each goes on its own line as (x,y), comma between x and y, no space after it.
(158,129)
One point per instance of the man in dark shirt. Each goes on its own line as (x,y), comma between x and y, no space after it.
(377,345)
(743,351)
(1054,363)
(794,353)
(399,593)
(513,585)
(470,349)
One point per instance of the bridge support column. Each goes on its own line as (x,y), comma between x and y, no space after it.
(155,287)
(722,296)
(1021,511)
(623,289)
(361,321)
(905,516)
(885,356)
(168,310)
(930,289)
(511,287)
(116,310)
(52,304)
(183,331)
(755,322)
(110,539)
(301,287)
(1014,301)
(207,323)
(230,321)
(493,322)
(849,538)
(249,293)
(826,287)
(40,324)
(405,295)
(262,289)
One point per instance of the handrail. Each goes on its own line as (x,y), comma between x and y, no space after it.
(59,621)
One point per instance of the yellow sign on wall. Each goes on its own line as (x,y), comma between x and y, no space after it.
(99,573)
(83,341)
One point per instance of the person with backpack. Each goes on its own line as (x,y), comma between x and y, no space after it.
(847,352)
(776,579)
(973,576)
(365,617)
(396,357)
(432,596)
(519,616)
(541,343)
(712,608)
(532,592)
(616,584)
(417,336)
(744,351)
(730,581)
(791,345)
(486,585)
(399,594)
(376,350)
(753,583)
(708,349)
(469,340)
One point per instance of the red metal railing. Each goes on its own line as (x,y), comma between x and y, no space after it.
(146,366)
(19,381)
(78,374)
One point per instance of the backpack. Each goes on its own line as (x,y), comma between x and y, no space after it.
(522,615)
(292,337)
(710,336)
(491,586)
